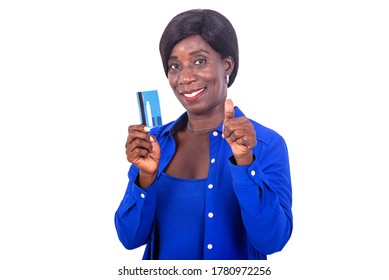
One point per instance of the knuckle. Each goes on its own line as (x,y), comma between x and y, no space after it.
(130,128)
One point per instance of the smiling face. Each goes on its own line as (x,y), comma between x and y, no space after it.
(197,75)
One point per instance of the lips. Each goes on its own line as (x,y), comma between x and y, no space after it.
(192,95)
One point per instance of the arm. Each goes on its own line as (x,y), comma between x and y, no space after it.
(135,215)
(264,193)
(261,181)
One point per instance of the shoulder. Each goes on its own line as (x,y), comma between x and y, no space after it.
(270,144)
(265,134)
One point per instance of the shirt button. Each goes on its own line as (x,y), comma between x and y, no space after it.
(210,186)
(213,160)
(252,172)
(209,246)
(210,215)
(142,195)
(215,133)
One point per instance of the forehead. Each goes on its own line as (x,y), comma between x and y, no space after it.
(192,45)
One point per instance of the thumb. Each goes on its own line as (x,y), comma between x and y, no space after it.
(228,110)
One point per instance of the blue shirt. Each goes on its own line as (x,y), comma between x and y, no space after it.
(247,209)
(179,218)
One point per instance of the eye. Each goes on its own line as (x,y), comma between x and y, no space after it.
(174,66)
(200,61)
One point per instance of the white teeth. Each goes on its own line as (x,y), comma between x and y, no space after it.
(193,93)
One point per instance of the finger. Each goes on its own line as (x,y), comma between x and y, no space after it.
(228,110)
(148,144)
(234,134)
(139,144)
(244,141)
(140,128)
(136,153)
(138,131)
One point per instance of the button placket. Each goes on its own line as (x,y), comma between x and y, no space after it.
(210,197)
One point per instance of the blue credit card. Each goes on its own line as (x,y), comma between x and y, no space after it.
(149,108)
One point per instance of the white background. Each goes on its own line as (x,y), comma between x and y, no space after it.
(315,71)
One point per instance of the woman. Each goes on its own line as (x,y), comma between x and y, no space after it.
(213,184)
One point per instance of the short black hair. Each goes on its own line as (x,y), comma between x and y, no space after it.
(212,26)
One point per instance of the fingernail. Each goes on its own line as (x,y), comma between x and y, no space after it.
(152,139)
(147,129)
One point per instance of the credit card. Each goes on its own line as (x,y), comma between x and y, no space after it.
(149,108)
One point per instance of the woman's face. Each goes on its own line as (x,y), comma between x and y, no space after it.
(197,75)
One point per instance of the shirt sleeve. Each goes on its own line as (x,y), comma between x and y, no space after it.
(135,215)
(264,193)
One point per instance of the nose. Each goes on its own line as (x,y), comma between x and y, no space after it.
(187,75)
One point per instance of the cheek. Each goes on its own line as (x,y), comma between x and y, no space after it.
(171,81)
(215,74)
(173,85)
(218,80)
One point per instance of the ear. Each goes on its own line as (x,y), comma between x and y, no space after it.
(229,65)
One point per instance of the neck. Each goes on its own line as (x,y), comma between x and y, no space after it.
(201,129)
(204,125)
(207,120)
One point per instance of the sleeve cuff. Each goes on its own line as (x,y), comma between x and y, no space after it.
(247,174)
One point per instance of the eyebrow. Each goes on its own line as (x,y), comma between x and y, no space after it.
(191,53)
